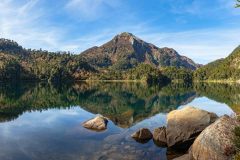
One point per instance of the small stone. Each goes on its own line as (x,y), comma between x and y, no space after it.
(159,136)
(98,123)
(142,135)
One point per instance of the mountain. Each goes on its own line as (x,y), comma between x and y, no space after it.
(223,69)
(126,51)
(125,57)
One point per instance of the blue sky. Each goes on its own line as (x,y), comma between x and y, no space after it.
(203,30)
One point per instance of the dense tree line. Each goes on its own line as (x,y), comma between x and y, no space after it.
(142,72)
(17,63)
(178,74)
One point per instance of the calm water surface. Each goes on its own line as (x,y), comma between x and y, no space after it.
(43,121)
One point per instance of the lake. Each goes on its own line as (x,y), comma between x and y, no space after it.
(41,121)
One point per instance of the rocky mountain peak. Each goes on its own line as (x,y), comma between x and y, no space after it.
(126,50)
(127,38)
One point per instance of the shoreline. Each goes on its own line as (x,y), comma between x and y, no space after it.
(219,81)
(136,81)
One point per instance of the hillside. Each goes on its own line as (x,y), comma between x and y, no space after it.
(126,57)
(17,63)
(222,69)
(126,51)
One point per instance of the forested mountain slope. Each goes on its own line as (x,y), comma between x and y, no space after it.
(222,69)
(125,57)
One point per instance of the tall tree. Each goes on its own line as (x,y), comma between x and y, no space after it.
(238,4)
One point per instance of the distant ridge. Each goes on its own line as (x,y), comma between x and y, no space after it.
(126,50)
(225,69)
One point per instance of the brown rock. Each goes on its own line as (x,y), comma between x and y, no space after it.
(183,157)
(172,153)
(159,136)
(98,123)
(142,135)
(185,124)
(216,141)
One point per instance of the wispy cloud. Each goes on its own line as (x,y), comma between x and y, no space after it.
(21,22)
(182,7)
(91,9)
(204,8)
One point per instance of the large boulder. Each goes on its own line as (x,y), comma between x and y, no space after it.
(216,141)
(98,123)
(142,135)
(183,157)
(159,136)
(184,125)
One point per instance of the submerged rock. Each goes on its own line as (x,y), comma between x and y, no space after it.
(216,141)
(98,123)
(159,136)
(184,125)
(142,135)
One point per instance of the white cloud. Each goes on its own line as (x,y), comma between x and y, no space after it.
(21,22)
(91,9)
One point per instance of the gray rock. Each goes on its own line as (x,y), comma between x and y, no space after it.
(184,125)
(98,123)
(216,141)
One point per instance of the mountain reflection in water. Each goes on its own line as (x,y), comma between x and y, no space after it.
(124,103)
(43,121)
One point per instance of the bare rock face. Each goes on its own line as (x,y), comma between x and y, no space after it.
(142,135)
(216,141)
(184,125)
(159,136)
(98,123)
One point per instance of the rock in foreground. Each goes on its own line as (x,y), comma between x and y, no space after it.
(98,123)
(184,125)
(183,157)
(216,141)
(142,135)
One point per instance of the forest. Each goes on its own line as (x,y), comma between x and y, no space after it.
(18,63)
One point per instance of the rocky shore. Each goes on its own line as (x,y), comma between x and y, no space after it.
(195,133)
(203,135)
